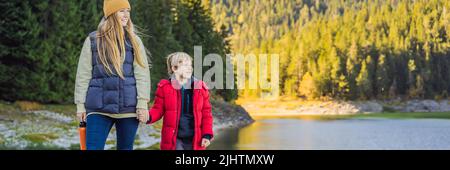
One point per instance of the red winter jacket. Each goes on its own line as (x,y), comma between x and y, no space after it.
(167,105)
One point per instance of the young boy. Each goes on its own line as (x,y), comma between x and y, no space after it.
(183,103)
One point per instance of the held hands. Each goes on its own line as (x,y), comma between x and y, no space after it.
(142,115)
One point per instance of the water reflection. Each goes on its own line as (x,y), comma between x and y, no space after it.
(275,133)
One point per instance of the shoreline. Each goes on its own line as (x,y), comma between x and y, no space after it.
(287,108)
(227,115)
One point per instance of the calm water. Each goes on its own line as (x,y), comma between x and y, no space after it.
(297,134)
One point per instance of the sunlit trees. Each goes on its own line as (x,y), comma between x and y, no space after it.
(347,49)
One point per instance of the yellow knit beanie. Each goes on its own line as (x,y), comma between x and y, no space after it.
(112,6)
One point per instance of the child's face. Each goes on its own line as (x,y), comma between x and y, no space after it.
(183,70)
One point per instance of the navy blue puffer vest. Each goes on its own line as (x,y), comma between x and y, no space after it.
(110,93)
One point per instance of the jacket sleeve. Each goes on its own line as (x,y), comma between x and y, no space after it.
(207,118)
(142,75)
(157,110)
(84,75)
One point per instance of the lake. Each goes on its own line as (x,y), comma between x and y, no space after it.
(351,134)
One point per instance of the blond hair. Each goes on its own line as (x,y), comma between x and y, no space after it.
(176,58)
(111,38)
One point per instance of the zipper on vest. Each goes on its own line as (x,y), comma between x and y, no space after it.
(120,97)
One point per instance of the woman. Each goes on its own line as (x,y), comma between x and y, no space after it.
(113,79)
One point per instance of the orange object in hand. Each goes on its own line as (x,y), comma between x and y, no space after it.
(82,131)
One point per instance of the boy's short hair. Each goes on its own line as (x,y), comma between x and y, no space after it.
(176,58)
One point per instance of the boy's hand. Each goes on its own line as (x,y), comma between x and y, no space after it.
(142,115)
(205,142)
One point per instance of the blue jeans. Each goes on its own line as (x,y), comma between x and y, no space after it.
(98,127)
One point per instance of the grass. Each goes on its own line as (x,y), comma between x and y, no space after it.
(67,109)
(28,106)
(110,142)
(153,147)
(39,138)
(74,147)
(37,146)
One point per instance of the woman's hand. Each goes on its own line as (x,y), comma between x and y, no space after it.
(81,116)
(205,142)
(142,115)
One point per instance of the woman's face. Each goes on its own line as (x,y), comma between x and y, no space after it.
(123,16)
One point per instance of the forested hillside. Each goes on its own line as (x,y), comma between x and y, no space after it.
(371,49)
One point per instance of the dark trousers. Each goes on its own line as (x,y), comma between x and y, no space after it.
(184,145)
